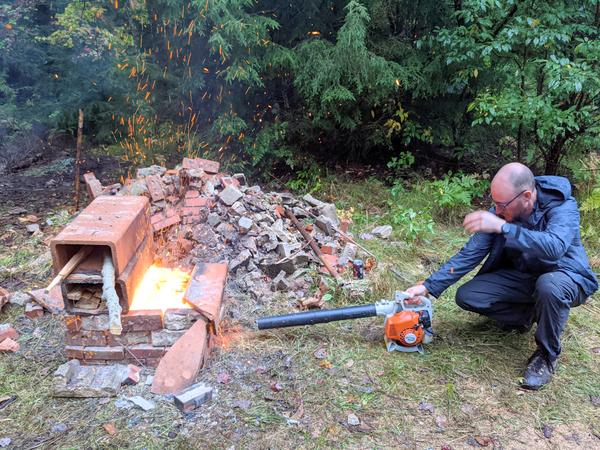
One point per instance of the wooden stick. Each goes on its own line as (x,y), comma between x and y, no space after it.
(109,294)
(313,245)
(70,266)
(78,157)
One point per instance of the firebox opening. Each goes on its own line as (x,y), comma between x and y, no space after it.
(161,288)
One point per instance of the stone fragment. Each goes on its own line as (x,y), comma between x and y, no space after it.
(155,187)
(326,225)
(230,195)
(348,254)
(280,282)
(149,171)
(74,380)
(19,298)
(253,190)
(177,319)
(285,250)
(313,201)
(166,338)
(199,163)
(33,310)
(329,210)
(300,213)
(227,231)
(289,266)
(97,322)
(193,397)
(382,232)
(33,228)
(240,260)
(239,208)
(353,420)
(249,242)
(213,219)
(208,189)
(141,402)
(241,178)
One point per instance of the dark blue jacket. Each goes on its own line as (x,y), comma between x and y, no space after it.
(548,241)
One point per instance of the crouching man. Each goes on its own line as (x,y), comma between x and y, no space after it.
(536,270)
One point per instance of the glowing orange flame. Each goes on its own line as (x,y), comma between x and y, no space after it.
(161,288)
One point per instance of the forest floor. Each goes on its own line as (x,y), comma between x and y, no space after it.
(276,391)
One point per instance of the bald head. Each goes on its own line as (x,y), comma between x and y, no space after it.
(513,191)
(514,176)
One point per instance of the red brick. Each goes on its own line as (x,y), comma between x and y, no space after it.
(172,172)
(6,332)
(155,187)
(73,323)
(180,365)
(173,199)
(142,320)
(166,222)
(157,218)
(107,353)
(129,338)
(33,311)
(144,351)
(199,201)
(4,295)
(327,249)
(133,375)
(192,194)
(74,351)
(191,220)
(190,211)
(205,290)
(170,212)
(344,225)
(8,345)
(199,163)
(86,338)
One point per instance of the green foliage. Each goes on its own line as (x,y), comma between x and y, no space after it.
(410,223)
(455,192)
(309,178)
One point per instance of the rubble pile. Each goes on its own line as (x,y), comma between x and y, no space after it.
(203,215)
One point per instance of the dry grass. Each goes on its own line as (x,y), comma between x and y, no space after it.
(469,375)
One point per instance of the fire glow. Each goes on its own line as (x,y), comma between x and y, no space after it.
(161,288)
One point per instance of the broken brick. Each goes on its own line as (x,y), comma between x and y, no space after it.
(33,311)
(200,163)
(327,250)
(169,221)
(142,320)
(133,375)
(8,332)
(155,187)
(190,211)
(205,290)
(192,194)
(107,353)
(51,301)
(144,351)
(180,365)
(74,351)
(8,345)
(199,201)
(157,218)
(98,322)
(4,295)
(93,186)
(86,338)
(228,181)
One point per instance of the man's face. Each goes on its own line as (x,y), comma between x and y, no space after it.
(510,205)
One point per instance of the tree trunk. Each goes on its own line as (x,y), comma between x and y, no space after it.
(78,157)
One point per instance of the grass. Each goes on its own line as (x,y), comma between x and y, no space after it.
(469,374)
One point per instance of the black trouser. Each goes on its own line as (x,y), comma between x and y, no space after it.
(516,298)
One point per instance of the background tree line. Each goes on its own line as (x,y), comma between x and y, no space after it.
(271,84)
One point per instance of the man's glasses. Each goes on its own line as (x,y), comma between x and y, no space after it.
(504,205)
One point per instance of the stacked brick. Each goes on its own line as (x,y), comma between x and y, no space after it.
(147,335)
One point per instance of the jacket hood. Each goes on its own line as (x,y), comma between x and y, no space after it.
(553,187)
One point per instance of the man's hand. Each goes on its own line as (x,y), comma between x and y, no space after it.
(417,290)
(483,221)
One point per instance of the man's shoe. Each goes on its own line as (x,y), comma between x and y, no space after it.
(539,370)
(521,329)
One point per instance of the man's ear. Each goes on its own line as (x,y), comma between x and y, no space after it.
(527,195)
